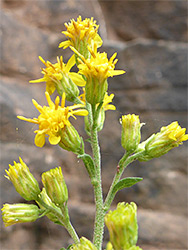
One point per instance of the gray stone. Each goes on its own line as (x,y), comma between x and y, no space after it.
(159,230)
(150,19)
(149,64)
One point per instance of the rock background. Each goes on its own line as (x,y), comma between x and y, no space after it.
(150,38)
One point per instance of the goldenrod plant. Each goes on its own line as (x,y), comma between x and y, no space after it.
(87,89)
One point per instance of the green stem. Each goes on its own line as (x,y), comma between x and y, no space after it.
(63,220)
(123,163)
(99,216)
(97,185)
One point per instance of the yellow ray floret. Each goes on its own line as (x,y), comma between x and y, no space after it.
(106,102)
(53,119)
(81,30)
(173,132)
(98,66)
(54,73)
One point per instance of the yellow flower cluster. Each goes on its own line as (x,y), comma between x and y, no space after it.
(80,33)
(53,119)
(58,74)
(98,66)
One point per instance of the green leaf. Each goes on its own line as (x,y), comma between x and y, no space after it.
(125,183)
(89,164)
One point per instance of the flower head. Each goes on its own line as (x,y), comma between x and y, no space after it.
(55,186)
(122,225)
(24,182)
(130,135)
(84,244)
(80,34)
(98,66)
(159,144)
(54,121)
(97,69)
(19,213)
(58,76)
(105,106)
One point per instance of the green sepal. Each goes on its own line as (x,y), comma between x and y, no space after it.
(89,164)
(125,183)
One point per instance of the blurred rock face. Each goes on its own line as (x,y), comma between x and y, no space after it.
(150,38)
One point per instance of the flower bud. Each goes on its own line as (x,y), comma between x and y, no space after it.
(71,140)
(84,244)
(55,186)
(159,144)
(135,248)
(24,182)
(109,246)
(69,87)
(130,135)
(122,225)
(47,200)
(19,213)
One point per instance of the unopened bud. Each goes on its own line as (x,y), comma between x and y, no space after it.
(159,144)
(24,182)
(70,139)
(84,244)
(122,226)
(55,186)
(130,135)
(19,213)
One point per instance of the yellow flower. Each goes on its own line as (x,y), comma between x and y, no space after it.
(107,99)
(58,76)
(96,70)
(159,144)
(98,65)
(105,106)
(54,120)
(81,33)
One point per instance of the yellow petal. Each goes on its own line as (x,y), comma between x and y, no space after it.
(50,103)
(54,140)
(40,140)
(65,44)
(70,63)
(81,112)
(117,72)
(98,40)
(109,107)
(27,119)
(37,80)
(77,79)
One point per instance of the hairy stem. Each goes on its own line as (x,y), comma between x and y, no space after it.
(99,216)
(63,220)
(123,163)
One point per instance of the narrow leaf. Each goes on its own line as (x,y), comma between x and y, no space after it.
(125,183)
